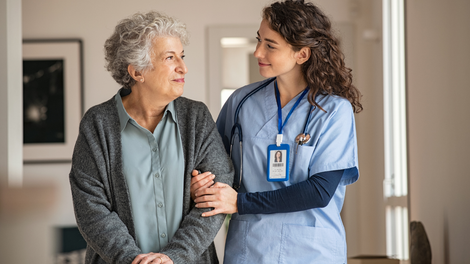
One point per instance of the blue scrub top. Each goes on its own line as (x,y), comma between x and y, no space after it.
(310,236)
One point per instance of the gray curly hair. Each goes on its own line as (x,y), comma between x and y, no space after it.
(132,40)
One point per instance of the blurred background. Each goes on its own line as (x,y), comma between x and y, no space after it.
(410,59)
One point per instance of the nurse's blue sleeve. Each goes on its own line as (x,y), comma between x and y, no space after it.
(315,192)
(336,148)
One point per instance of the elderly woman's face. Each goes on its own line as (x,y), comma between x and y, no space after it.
(167,76)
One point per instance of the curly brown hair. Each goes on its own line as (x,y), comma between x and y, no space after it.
(305,25)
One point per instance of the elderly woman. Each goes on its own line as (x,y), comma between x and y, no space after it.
(132,163)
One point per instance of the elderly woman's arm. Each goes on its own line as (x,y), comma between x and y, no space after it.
(100,225)
(206,153)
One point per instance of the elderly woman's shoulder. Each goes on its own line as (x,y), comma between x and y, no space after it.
(106,108)
(189,104)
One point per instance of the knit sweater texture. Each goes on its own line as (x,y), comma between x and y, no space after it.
(101,197)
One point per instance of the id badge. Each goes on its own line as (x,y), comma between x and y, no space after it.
(278,162)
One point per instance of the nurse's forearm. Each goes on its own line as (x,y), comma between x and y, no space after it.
(315,192)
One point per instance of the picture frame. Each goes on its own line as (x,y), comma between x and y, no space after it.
(52,98)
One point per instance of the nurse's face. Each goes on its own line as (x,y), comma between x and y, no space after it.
(275,56)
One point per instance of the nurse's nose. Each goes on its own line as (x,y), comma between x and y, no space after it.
(258,51)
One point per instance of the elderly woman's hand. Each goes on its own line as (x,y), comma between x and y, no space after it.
(220,196)
(200,181)
(152,258)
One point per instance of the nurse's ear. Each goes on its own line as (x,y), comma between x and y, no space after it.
(303,55)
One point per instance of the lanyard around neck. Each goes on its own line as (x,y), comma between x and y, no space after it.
(279,112)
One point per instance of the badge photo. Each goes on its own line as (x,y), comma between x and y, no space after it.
(278,163)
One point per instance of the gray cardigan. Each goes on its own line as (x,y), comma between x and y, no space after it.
(101,197)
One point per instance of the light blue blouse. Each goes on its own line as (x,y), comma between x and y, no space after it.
(153,165)
(309,236)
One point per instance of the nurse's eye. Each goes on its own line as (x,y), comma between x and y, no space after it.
(258,39)
(270,47)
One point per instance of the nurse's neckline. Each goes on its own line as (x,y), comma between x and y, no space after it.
(288,94)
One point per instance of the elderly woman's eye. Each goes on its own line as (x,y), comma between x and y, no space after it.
(169,57)
(182,57)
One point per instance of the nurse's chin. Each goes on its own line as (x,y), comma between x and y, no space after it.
(265,73)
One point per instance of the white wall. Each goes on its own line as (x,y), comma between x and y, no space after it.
(233,59)
(438,41)
(93,22)
(11,169)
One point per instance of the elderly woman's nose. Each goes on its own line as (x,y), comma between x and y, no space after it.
(182,67)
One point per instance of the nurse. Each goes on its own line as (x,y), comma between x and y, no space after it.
(289,211)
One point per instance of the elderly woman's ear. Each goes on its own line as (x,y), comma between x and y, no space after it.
(136,75)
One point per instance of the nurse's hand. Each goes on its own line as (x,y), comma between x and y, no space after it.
(220,196)
(200,181)
(154,258)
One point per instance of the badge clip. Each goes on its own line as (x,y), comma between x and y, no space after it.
(278,140)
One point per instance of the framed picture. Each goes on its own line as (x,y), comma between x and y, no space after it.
(52,98)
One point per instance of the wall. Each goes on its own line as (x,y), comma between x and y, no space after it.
(364,213)
(438,66)
(11,169)
(235,70)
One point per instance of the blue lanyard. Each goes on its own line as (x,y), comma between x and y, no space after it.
(279,108)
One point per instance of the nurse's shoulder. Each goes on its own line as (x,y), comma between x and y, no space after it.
(339,113)
(334,103)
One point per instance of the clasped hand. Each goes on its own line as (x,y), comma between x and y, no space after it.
(152,258)
(219,196)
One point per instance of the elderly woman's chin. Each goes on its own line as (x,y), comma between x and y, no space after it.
(178,90)
(170,92)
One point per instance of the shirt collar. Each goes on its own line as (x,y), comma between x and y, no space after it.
(124,116)
(172,111)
